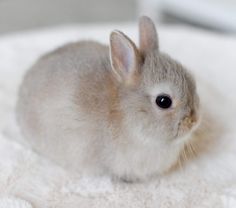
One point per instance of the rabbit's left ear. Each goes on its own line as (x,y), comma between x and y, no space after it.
(125,58)
(148,39)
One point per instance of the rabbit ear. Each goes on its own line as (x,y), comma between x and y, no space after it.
(148,39)
(124,56)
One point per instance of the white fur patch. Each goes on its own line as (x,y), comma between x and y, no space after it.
(162,88)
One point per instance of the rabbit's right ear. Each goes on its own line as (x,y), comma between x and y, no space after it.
(148,39)
(125,58)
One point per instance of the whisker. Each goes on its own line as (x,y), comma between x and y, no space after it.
(193,149)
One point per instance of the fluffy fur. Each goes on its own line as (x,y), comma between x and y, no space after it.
(94,111)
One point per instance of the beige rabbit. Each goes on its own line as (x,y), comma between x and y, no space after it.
(126,111)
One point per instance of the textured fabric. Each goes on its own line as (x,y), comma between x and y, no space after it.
(28,179)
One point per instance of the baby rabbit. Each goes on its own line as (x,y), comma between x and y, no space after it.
(123,110)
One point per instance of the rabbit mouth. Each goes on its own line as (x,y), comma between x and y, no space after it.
(187,125)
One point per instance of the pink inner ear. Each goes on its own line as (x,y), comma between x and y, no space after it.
(125,57)
(128,60)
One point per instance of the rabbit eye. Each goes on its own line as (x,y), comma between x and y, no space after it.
(164,101)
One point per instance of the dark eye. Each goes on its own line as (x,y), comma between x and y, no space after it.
(164,101)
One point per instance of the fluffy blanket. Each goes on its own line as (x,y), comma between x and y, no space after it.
(208,180)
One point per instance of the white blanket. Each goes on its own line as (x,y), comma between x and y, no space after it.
(29,180)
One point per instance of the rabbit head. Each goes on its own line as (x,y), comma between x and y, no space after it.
(157,95)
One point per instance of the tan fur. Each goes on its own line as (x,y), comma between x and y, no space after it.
(115,114)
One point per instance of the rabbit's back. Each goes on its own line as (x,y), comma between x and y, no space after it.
(63,98)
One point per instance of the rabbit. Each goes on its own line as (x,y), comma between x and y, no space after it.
(120,110)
